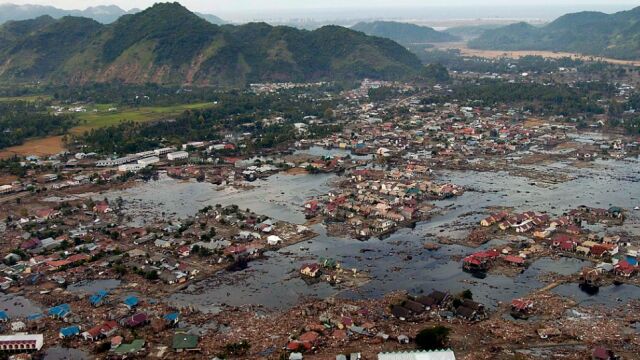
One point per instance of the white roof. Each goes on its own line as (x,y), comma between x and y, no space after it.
(418,355)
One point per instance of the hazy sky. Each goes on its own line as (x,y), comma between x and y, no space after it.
(305,8)
(238,5)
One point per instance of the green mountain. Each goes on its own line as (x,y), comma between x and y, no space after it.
(592,33)
(467,32)
(167,44)
(403,33)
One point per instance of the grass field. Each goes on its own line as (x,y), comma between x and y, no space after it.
(103,118)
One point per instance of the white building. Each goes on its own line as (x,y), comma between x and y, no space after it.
(178,155)
(195,144)
(418,355)
(131,167)
(149,160)
(5,189)
(114,162)
(163,151)
(21,342)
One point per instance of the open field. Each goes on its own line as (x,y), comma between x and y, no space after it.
(103,117)
(91,120)
(40,147)
(494,54)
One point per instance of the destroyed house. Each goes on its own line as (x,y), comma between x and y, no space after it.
(400,312)
(414,306)
(139,319)
(466,313)
(470,310)
(521,305)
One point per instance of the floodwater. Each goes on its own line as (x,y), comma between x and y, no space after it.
(605,295)
(17,306)
(93,286)
(321,151)
(280,196)
(60,353)
(398,262)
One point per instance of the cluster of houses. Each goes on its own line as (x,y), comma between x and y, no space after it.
(563,235)
(74,329)
(374,202)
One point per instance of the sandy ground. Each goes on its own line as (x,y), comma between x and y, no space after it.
(533,122)
(40,147)
(492,54)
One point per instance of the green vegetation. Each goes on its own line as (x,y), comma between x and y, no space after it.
(104,117)
(559,99)
(236,111)
(26,98)
(593,33)
(433,338)
(167,44)
(20,120)
(403,33)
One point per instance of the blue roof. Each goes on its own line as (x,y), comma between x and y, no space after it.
(3,316)
(131,301)
(33,317)
(172,316)
(70,330)
(97,298)
(61,310)
(632,260)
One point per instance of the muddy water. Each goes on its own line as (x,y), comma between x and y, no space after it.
(398,262)
(280,197)
(17,306)
(320,151)
(60,353)
(93,286)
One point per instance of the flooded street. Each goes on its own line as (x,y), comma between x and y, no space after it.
(398,262)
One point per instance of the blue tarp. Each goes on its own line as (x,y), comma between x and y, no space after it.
(3,316)
(97,298)
(131,301)
(172,317)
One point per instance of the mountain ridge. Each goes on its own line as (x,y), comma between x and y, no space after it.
(614,35)
(105,14)
(168,44)
(403,33)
